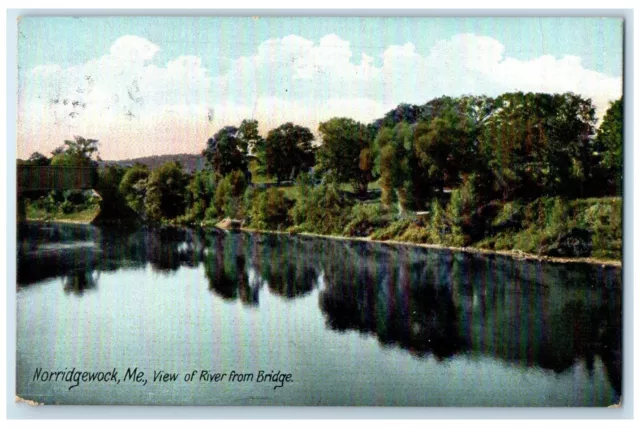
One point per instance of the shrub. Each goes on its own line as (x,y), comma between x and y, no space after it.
(460,212)
(325,210)
(67,207)
(75,197)
(270,210)
(416,233)
(510,215)
(200,192)
(438,224)
(228,200)
(391,232)
(559,216)
(367,218)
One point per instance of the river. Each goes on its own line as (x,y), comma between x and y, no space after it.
(351,322)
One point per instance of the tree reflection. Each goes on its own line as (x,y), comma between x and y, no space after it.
(226,270)
(287,267)
(444,303)
(427,302)
(79,281)
(390,299)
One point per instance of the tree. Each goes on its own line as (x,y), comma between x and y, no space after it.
(113,205)
(165,199)
(288,151)
(199,195)
(538,144)
(446,142)
(608,147)
(249,136)
(133,186)
(38,159)
(270,210)
(346,152)
(444,148)
(460,210)
(226,152)
(228,197)
(396,164)
(75,153)
(323,210)
(82,147)
(569,149)
(409,113)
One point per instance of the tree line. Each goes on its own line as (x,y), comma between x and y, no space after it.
(450,157)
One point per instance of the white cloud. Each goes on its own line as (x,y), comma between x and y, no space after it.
(124,97)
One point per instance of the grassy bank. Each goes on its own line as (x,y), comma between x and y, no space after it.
(86,215)
(554,229)
(538,228)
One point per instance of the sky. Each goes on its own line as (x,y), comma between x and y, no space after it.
(150,85)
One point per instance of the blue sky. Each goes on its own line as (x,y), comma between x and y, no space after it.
(133,78)
(67,41)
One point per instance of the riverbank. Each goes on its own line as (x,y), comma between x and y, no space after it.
(79,217)
(514,254)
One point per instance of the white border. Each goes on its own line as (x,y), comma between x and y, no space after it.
(7,214)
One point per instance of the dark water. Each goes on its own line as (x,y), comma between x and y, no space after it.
(353,323)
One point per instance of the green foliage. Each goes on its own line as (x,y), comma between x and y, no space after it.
(544,220)
(109,179)
(200,193)
(67,207)
(408,113)
(444,147)
(81,147)
(346,152)
(438,225)
(304,183)
(559,215)
(608,146)
(460,212)
(68,160)
(37,159)
(288,151)
(397,166)
(75,153)
(270,210)
(226,150)
(416,234)
(365,219)
(42,209)
(133,187)
(509,213)
(536,144)
(516,166)
(603,216)
(249,135)
(166,193)
(61,204)
(228,200)
(324,210)
(392,231)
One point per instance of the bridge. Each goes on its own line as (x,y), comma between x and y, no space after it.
(34,178)
(38,178)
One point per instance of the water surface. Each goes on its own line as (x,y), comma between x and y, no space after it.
(354,323)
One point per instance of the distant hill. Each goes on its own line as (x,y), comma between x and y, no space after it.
(190,162)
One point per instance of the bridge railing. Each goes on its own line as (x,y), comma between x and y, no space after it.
(33,177)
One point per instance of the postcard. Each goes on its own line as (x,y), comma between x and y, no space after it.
(320,211)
